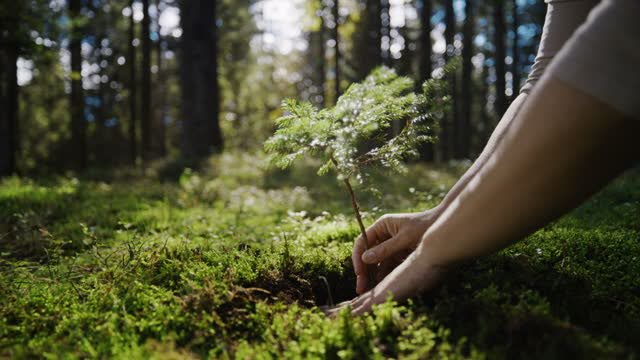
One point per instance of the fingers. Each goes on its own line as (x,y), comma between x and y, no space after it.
(385,250)
(364,303)
(379,231)
(359,268)
(376,233)
(358,306)
(410,277)
(333,311)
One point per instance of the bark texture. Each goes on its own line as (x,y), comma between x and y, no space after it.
(336,37)
(426,64)
(515,65)
(78,123)
(145,113)
(133,90)
(463,139)
(447,135)
(8,106)
(499,42)
(159,125)
(199,79)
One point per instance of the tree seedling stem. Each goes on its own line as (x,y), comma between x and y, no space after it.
(371,269)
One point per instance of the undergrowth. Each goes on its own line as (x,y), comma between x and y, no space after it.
(231,262)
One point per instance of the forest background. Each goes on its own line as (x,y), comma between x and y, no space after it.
(102,84)
(139,216)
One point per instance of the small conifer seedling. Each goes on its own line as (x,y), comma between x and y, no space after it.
(354,136)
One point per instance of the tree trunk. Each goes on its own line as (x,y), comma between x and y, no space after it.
(13,108)
(322,63)
(78,124)
(385,31)
(426,45)
(447,132)
(145,118)
(100,139)
(336,37)
(161,98)
(5,136)
(426,65)
(485,120)
(515,65)
(463,141)
(199,79)
(499,32)
(369,45)
(133,89)
(317,63)
(540,15)
(9,138)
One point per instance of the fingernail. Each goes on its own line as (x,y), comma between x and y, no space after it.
(369,256)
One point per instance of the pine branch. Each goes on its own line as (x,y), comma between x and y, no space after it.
(352,136)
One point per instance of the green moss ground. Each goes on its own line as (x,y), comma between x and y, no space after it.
(232,261)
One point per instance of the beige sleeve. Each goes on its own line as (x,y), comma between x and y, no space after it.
(561,21)
(602,58)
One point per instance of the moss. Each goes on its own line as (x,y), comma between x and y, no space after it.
(137,268)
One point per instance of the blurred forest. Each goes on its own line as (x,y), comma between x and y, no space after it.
(139,218)
(103,84)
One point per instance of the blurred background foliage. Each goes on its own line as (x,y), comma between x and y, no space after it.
(103,84)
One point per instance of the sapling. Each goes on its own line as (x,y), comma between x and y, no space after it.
(354,136)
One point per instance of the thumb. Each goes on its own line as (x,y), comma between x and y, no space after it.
(384,250)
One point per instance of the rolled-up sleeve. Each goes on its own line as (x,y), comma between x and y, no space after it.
(602,58)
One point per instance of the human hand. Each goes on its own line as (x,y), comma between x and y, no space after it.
(391,239)
(411,277)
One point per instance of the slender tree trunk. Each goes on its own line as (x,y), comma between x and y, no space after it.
(133,89)
(447,132)
(200,96)
(5,136)
(410,54)
(385,31)
(540,14)
(13,108)
(101,138)
(485,121)
(78,124)
(9,136)
(426,65)
(336,37)
(322,62)
(499,34)
(145,118)
(464,121)
(162,93)
(515,65)
(426,45)
(372,40)
(317,62)
(387,60)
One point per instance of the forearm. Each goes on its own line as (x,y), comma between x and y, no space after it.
(562,148)
(489,149)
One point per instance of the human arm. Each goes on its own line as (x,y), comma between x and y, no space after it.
(394,236)
(562,147)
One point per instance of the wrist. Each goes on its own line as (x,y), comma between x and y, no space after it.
(433,213)
(432,252)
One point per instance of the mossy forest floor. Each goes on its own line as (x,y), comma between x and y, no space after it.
(232,262)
